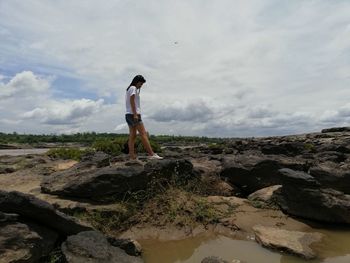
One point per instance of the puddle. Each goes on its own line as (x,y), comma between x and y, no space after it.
(334,249)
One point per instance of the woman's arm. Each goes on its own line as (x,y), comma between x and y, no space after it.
(133,106)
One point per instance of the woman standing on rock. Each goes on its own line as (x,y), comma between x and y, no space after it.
(133,118)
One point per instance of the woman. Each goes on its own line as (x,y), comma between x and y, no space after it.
(133,118)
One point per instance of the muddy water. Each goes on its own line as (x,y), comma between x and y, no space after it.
(335,248)
(17,152)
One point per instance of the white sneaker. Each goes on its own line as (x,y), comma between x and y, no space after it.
(155,156)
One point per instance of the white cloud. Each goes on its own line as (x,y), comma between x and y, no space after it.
(196,111)
(24,84)
(123,127)
(28,104)
(64,112)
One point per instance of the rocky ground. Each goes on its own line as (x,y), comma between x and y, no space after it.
(269,189)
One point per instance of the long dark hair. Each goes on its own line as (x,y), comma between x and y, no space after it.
(135,80)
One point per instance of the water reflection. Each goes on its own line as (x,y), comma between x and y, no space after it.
(334,249)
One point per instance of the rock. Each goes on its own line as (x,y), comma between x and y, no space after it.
(4,217)
(264,197)
(95,183)
(6,169)
(213,260)
(304,196)
(285,148)
(28,206)
(336,129)
(92,246)
(131,247)
(99,159)
(332,175)
(332,156)
(253,172)
(170,167)
(297,178)
(294,242)
(25,242)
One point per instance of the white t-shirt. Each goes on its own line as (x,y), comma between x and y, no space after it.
(132,91)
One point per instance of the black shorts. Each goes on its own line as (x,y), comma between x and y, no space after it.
(130,120)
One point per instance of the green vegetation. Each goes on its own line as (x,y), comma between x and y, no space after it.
(88,138)
(119,145)
(105,220)
(55,256)
(68,153)
(310,147)
(178,207)
(163,202)
(111,147)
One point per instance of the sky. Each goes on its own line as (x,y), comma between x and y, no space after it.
(224,68)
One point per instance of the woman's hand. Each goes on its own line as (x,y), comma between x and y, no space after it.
(136,117)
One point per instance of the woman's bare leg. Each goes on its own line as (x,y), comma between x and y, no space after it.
(144,138)
(131,142)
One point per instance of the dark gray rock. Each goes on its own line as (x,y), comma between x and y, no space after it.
(5,217)
(333,156)
(98,159)
(115,180)
(253,172)
(285,148)
(336,129)
(95,182)
(332,175)
(25,242)
(304,196)
(28,206)
(295,178)
(6,169)
(131,247)
(93,246)
(213,260)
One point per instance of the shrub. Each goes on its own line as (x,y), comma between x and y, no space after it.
(119,145)
(112,147)
(68,153)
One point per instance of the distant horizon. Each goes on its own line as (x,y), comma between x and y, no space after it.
(222,69)
(175,135)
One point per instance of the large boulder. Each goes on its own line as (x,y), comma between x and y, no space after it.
(294,242)
(28,206)
(25,242)
(98,159)
(93,246)
(285,148)
(336,129)
(304,196)
(5,217)
(253,172)
(95,183)
(332,175)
